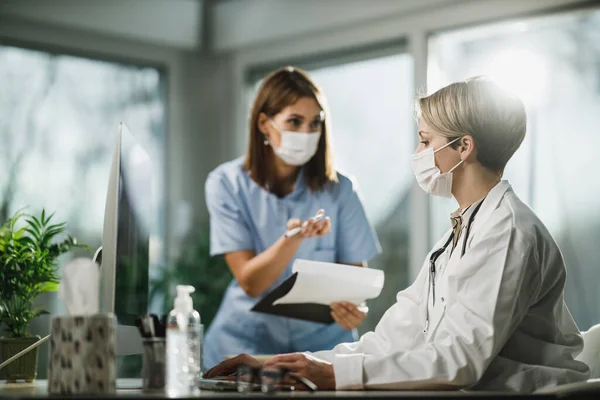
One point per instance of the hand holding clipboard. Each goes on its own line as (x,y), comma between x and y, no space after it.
(314,285)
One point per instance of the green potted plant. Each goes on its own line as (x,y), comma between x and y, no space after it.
(29,253)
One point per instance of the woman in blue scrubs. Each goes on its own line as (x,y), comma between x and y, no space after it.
(285,178)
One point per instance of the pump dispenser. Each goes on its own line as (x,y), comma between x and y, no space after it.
(184,345)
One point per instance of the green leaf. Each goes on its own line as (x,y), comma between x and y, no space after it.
(54,230)
(20,233)
(38,313)
(36,223)
(33,230)
(63,224)
(49,287)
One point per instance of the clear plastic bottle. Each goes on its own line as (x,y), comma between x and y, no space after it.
(184,346)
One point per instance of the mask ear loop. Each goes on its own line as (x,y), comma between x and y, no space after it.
(447,144)
(456,166)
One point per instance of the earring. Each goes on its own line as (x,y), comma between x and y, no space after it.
(266,142)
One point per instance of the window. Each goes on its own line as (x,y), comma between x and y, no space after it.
(553,63)
(58,128)
(371,104)
(58,122)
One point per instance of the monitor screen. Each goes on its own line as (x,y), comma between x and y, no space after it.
(133,230)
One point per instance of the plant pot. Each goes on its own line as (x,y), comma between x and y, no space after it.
(24,367)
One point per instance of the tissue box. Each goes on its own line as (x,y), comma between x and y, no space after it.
(82,355)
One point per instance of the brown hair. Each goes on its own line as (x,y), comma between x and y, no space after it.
(495,118)
(279,90)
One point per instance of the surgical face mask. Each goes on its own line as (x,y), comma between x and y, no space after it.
(429,177)
(296,148)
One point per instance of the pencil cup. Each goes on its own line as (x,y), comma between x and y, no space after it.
(153,366)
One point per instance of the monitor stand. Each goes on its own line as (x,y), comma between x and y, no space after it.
(128,337)
(129,340)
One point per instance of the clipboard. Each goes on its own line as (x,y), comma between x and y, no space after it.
(313,312)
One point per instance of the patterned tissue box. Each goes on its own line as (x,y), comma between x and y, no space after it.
(82,355)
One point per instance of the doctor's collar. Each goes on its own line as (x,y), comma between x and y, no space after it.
(466,213)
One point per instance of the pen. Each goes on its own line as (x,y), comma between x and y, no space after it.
(294,231)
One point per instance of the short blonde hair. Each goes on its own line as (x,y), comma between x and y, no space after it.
(495,118)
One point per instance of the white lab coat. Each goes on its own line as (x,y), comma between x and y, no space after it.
(499,320)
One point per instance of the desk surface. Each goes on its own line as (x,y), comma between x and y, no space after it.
(130,388)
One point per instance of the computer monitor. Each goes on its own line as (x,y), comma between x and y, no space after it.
(124,256)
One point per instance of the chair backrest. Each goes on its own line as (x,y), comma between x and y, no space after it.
(591,350)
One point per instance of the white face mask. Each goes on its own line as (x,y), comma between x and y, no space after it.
(429,177)
(296,148)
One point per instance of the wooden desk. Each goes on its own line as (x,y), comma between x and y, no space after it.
(39,390)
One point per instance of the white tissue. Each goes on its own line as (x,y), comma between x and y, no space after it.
(79,287)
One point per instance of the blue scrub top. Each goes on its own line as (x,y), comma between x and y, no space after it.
(244,216)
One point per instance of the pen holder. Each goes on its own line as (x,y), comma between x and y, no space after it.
(82,355)
(153,364)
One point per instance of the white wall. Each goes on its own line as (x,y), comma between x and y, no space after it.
(173,23)
(238,24)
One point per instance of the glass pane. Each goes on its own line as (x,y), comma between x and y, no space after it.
(371,106)
(371,103)
(58,123)
(553,63)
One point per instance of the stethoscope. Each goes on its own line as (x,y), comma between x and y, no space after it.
(436,254)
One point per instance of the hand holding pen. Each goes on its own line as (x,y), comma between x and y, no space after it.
(319,225)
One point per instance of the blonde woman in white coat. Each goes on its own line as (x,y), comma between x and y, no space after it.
(487,310)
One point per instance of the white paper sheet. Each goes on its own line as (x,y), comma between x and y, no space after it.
(325,283)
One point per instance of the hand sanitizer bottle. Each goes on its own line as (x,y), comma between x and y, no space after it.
(183,345)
